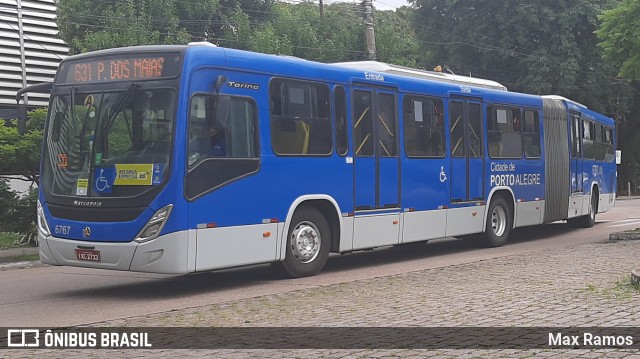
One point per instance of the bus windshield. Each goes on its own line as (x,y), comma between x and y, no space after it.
(108,144)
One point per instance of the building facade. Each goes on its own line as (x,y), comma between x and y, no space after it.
(30,50)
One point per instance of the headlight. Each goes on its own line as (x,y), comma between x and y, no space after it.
(43,227)
(152,229)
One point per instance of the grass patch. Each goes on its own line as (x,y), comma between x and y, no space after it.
(623,289)
(25,257)
(9,240)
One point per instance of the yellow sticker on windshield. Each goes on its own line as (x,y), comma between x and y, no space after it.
(81,187)
(133,174)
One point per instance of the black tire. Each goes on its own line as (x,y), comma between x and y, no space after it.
(308,242)
(499,223)
(586,221)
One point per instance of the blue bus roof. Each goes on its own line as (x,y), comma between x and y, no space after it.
(295,67)
(197,55)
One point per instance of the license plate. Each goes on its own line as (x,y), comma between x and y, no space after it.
(88,255)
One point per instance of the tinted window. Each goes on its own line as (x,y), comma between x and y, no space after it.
(504,132)
(300,121)
(423,127)
(340,102)
(531,135)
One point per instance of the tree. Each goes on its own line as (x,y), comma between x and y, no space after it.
(299,30)
(87,25)
(620,38)
(97,24)
(396,42)
(20,154)
(542,48)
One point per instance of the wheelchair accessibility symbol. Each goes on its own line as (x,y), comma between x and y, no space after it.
(443,176)
(104,180)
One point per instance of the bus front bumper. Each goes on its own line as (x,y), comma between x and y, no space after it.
(169,254)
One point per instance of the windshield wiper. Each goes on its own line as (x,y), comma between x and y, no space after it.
(122,102)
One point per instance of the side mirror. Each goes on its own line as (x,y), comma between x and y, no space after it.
(22,119)
(220,80)
(44,87)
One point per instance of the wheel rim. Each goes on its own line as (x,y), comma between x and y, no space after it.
(498,221)
(305,242)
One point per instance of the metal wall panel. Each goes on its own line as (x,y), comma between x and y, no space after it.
(43,49)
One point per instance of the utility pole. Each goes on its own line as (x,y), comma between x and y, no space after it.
(321,9)
(22,49)
(369,35)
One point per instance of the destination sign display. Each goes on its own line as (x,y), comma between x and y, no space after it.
(127,67)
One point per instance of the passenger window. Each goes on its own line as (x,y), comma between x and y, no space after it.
(223,142)
(300,121)
(531,134)
(423,127)
(588,133)
(504,132)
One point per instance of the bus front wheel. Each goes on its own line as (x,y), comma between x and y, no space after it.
(308,243)
(499,222)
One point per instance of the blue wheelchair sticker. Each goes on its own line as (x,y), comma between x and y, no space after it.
(103,179)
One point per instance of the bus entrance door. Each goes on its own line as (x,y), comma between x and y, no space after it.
(376,167)
(467,170)
(576,153)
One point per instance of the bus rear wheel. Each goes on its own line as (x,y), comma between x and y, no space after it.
(308,242)
(586,221)
(499,222)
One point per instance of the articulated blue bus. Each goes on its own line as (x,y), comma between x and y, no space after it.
(178,159)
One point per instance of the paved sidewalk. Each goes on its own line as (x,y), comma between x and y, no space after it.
(585,285)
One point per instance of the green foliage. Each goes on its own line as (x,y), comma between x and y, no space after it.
(17,213)
(299,30)
(336,35)
(8,240)
(88,25)
(542,48)
(396,41)
(620,38)
(20,158)
(20,155)
(7,197)
(97,24)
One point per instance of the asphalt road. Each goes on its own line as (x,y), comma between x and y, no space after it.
(62,296)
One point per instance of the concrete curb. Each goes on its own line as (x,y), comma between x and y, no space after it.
(21,265)
(624,236)
(628,236)
(6,263)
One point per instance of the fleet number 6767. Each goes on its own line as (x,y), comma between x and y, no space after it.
(62,229)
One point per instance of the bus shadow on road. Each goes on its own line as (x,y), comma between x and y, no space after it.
(441,247)
(239,278)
